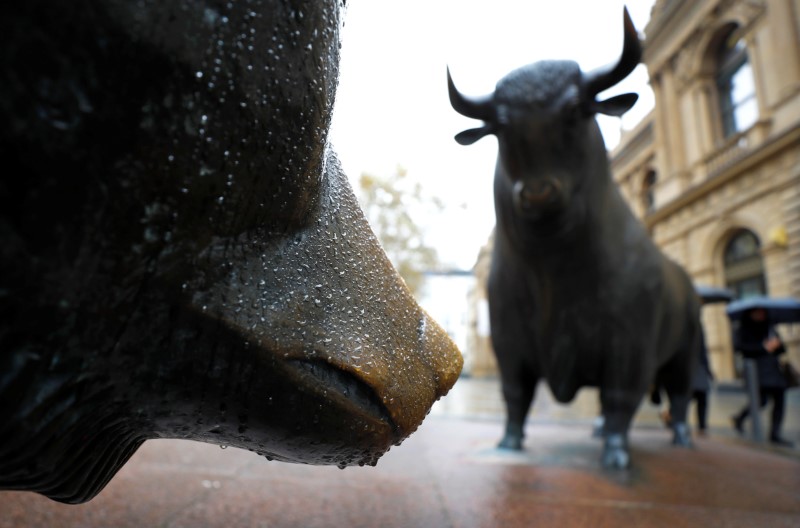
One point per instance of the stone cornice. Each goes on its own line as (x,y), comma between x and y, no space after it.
(633,143)
(668,30)
(677,22)
(766,150)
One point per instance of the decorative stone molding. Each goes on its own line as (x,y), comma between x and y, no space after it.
(683,64)
(661,9)
(745,12)
(691,62)
(777,240)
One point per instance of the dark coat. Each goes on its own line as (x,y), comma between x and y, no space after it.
(702,375)
(748,340)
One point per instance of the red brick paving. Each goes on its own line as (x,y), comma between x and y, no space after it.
(447,474)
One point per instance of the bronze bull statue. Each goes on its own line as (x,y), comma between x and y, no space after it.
(182,255)
(578,293)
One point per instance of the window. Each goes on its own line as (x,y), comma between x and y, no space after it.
(735,85)
(649,191)
(744,268)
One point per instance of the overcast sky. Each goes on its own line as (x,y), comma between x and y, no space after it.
(392,107)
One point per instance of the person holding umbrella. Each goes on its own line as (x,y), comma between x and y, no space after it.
(701,384)
(755,338)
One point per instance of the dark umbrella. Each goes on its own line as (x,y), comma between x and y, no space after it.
(779,310)
(713,294)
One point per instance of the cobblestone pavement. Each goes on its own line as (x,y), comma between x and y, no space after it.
(449,474)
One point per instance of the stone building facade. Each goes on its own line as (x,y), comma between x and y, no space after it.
(714,170)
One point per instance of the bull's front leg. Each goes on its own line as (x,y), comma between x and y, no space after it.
(510,312)
(618,409)
(519,388)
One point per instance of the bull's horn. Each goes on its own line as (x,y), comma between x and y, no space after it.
(607,76)
(476,108)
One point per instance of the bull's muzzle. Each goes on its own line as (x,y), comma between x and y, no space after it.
(531,196)
(346,363)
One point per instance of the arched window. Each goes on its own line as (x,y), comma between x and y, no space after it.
(735,84)
(649,191)
(744,267)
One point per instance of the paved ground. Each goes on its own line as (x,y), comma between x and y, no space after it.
(481,399)
(449,474)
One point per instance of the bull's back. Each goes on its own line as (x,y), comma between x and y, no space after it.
(680,315)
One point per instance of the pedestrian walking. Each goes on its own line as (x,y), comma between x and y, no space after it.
(701,384)
(756,338)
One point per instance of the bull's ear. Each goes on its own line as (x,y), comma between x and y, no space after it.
(468,137)
(615,106)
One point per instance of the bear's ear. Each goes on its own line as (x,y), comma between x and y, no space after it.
(615,106)
(468,137)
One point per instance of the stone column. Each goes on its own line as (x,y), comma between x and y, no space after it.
(674,123)
(783,21)
(704,92)
(663,139)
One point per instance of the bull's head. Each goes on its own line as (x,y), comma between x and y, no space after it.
(543,117)
(182,255)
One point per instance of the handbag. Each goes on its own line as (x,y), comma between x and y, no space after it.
(790,374)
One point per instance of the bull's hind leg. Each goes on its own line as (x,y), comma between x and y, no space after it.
(675,377)
(618,406)
(678,390)
(678,406)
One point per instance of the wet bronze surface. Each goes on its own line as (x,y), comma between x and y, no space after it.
(182,254)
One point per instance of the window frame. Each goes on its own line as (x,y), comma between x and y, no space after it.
(732,59)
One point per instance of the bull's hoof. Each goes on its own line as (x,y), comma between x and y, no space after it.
(511,442)
(615,452)
(681,436)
